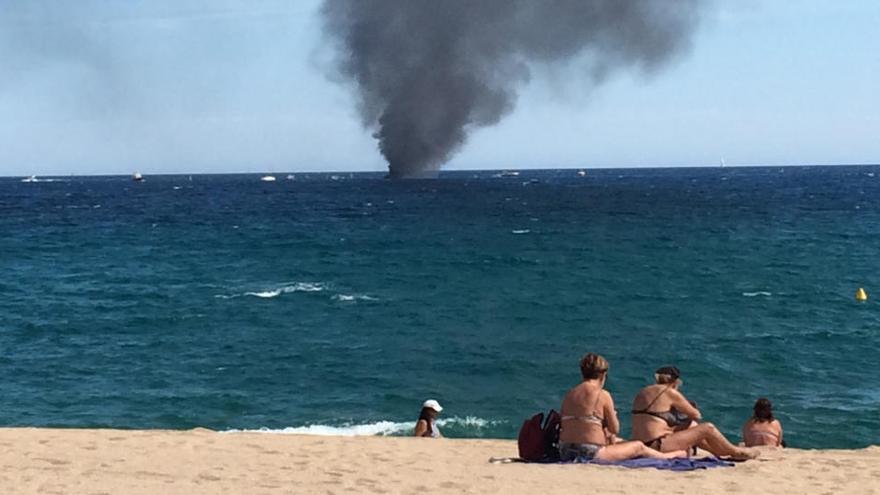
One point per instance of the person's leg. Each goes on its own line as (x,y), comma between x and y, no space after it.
(631,450)
(707,436)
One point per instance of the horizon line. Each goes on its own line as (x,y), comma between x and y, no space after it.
(267,172)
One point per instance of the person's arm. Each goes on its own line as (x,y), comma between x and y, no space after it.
(779,430)
(680,403)
(421,428)
(612,424)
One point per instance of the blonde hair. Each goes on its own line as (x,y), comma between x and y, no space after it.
(593,365)
(664,379)
(667,375)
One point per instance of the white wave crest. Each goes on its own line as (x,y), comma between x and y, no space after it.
(521,231)
(468,421)
(353,297)
(758,293)
(379,428)
(265,294)
(284,289)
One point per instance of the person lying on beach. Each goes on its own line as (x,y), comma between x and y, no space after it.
(662,419)
(762,428)
(426,426)
(588,416)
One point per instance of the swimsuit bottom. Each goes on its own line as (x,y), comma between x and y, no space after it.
(655,443)
(572,451)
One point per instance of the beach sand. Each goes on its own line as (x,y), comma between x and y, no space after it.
(199,461)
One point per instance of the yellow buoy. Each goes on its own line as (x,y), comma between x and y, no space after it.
(861,295)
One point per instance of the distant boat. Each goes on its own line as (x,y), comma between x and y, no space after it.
(509,173)
(722,165)
(137,177)
(291,177)
(582,173)
(268,178)
(32,178)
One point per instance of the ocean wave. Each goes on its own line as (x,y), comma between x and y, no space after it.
(757,293)
(521,231)
(353,297)
(284,289)
(469,421)
(378,428)
(265,294)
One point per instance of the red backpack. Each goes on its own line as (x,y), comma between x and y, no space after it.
(539,438)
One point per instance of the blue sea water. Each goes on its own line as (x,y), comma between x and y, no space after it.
(338,303)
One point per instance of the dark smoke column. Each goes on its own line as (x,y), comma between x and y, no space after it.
(427,71)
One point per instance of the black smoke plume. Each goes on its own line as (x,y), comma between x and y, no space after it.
(428,71)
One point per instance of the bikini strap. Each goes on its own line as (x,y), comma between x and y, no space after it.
(598,397)
(645,409)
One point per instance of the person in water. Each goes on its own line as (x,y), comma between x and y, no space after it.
(588,418)
(426,426)
(662,418)
(762,428)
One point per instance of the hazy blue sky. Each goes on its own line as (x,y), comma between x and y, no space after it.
(164,86)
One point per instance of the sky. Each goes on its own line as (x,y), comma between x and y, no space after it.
(170,86)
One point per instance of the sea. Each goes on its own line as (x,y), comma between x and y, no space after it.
(336,303)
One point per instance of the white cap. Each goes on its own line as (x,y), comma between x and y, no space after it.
(432,404)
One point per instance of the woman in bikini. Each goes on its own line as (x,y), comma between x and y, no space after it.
(763,428)
(588,417)
(660,412)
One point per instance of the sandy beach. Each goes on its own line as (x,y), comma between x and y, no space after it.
(201,461)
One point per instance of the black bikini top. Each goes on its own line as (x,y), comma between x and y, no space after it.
(672,417)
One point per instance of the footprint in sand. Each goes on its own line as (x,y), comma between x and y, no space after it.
(54,462)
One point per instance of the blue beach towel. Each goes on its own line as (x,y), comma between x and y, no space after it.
(665,464)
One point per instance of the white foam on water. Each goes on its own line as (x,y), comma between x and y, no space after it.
(303,287)
(353,297)
(758,293)
(522,231)
(379,428)
(469,421)
(265,294)
(275,292)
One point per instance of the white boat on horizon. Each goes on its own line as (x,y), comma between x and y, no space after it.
(32,178)
(137,177)
(268,178)
(582,173)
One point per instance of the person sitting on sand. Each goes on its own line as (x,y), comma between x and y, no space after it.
(588,415)
(661,417)
(762,428)
(427,423)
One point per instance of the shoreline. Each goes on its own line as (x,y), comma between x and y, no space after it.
(92,461)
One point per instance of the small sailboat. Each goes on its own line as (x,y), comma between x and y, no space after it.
(32,178)
(582,173)
(137,177)
(722,165)
(268,178)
